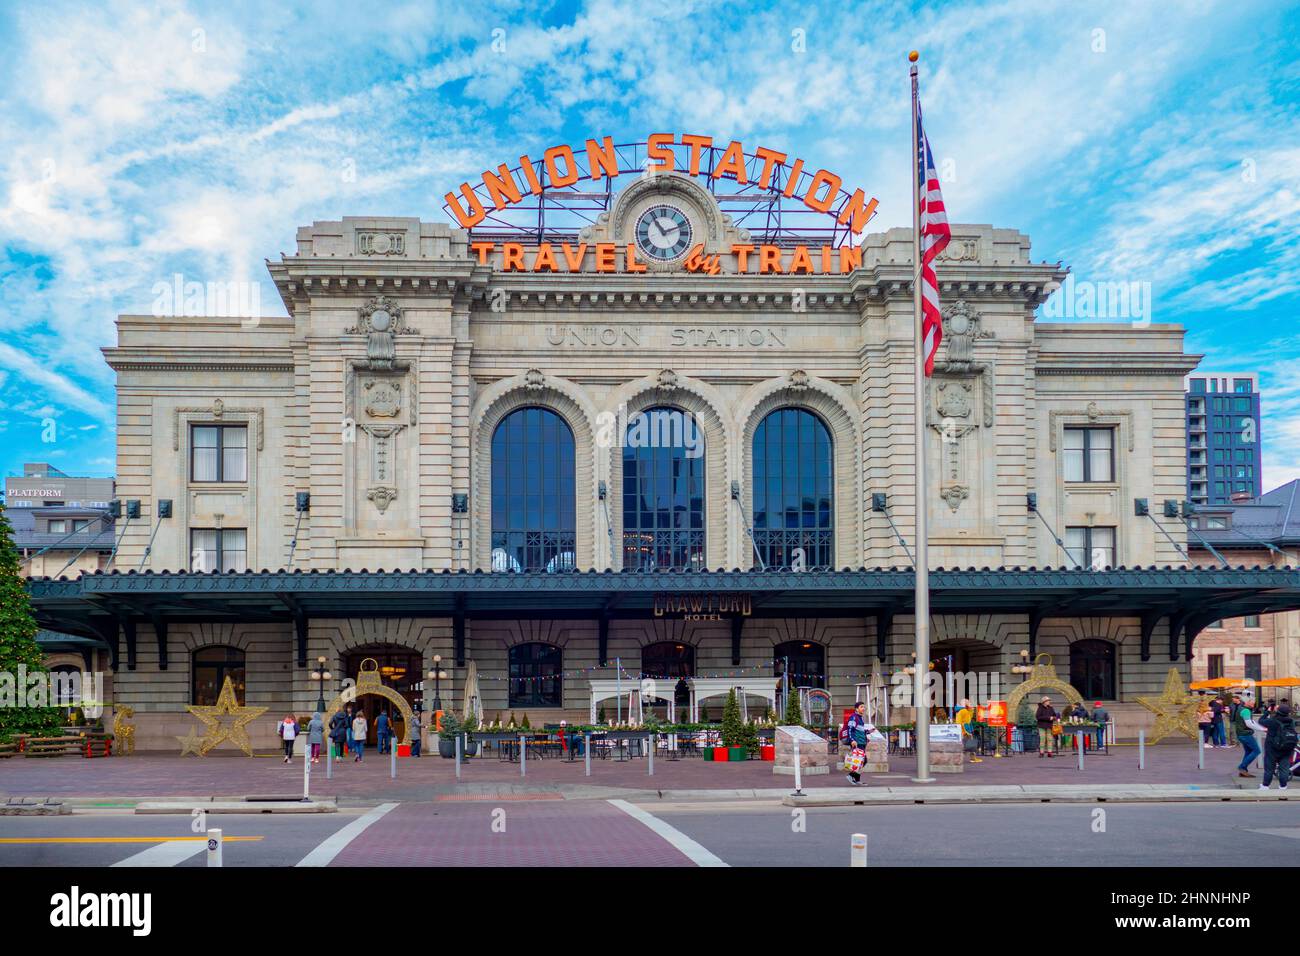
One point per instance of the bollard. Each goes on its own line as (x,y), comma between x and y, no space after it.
(306,772)
(1078,745)
(798,775)
(214,848)
(653,741)
(329,758)
(1200,751)
(523,756)
(1142,749)
(858,850)
(586,751)
(392,760)
(458,739)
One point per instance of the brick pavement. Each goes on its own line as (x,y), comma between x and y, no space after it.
(232,774)
(536,833)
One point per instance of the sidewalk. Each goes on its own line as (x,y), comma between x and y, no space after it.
(230,775)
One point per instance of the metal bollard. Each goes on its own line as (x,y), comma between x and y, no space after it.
(306,772)
(1142,749)
(214,848)
(653,740)
(523,756)
(392,760)
(1200,751)
(798,775)
(858,850)
(1078,744)
(329,759)
(458,740)
(586,751)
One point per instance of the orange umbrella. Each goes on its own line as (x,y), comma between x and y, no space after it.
(1280,682)
(1219,683)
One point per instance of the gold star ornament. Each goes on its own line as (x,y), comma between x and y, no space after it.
(190,743)
(1175,709)
(218,730)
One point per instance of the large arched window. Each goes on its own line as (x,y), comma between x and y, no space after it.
(793,489)
(536,675)
(806,660)
(663,491)
(1092,669)
(532,492)
(210,666)
(668,660)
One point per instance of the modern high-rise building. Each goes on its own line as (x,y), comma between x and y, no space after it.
(1223,437)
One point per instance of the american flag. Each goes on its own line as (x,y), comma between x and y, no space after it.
(935,234)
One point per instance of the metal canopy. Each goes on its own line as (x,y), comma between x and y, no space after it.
(90,604)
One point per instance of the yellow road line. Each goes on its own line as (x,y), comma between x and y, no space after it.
(132,839)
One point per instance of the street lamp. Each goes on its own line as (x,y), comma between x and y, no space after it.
(321,675)
(437,676)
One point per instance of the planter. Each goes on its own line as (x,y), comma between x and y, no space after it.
(719,754)
(447,748)
(738,754)
(767,752)
(708,753)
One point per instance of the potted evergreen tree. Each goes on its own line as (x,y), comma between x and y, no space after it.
(733,730)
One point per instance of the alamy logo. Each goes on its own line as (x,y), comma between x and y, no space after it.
(75,909)
(53,689)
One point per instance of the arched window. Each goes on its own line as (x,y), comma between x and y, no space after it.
(533,492)
(668,660)
(1092,669)
(663,491)
(209,669)
(793,489)
(536,675)
(807,662)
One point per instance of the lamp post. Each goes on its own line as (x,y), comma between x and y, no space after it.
(321,675)
(437,675)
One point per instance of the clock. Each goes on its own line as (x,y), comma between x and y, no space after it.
(663,233)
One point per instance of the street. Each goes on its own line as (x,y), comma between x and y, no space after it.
(601,832)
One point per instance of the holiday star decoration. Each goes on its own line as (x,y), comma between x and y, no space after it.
(190,743)
(1175,709)
(227,705)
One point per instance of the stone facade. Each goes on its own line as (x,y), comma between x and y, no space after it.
(378,394)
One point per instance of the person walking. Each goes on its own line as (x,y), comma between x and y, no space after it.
(383,729)
(349,744)
(1217,735)
(1205,721)
(359,729)
(339,732)
(855,734)
(1244,725)
(1279,745)
(316,735)
(1046,717)
(288,731)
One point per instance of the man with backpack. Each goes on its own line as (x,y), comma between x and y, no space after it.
(1279,745)
(1245,726)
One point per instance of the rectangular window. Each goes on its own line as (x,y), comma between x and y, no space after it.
(1254,667)
(1092,548)
(1242,385)
(1215,666)
(58,527)
(1252,620)
(218,549)
(1218,524)
(1089,454)
(1198,385)
(219,453)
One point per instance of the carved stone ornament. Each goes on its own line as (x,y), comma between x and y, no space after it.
(798,380)
(961,327)
(666,381)
(218,408)
(954,400)
(383,398)
(955,495)
(534,379)
(382,497)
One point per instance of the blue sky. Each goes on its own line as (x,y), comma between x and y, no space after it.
(1137,142)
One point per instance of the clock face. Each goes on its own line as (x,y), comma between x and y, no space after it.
(663,233)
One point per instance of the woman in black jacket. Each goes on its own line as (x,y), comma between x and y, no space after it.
(1046,716)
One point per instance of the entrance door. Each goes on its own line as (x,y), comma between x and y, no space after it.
(399,668)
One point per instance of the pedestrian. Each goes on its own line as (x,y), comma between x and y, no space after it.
(1205,721)
(966,720)
(338,732)
(1279,745)
(1102,718)
(359,728)
(1244,725)
(383,729)
(349,744)
(288,731)
(1046,718)
(316,736)
(1217,736)
(855,733)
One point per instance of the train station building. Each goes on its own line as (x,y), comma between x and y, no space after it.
(650,422)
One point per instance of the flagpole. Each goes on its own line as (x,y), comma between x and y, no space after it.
(921,667)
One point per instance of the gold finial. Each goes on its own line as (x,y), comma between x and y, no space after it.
(913,56)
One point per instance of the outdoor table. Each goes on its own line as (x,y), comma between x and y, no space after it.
(1089,732)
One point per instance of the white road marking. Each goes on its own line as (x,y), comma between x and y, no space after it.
(171,853)
(693,851)
(336,842)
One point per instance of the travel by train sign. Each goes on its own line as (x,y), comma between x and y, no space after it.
(797,218)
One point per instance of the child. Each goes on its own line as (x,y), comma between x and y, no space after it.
(288,730)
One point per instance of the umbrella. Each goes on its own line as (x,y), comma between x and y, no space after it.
(1219,683)
(1279,682)
(472,703)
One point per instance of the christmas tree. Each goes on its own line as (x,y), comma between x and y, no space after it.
(793,715)
(733,730)
(18,645)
